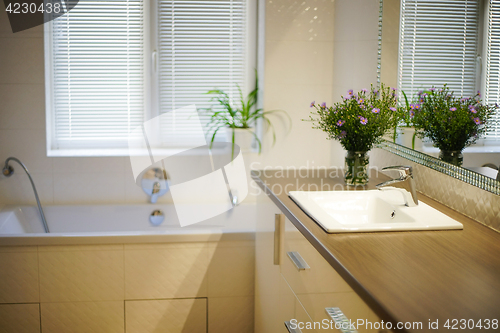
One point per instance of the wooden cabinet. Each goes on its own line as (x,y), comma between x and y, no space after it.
(293,280)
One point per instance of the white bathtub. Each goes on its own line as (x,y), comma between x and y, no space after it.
(112,224)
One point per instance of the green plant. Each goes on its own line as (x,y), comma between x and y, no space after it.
(242,115)
(404,116)
(452,123)
(360,120)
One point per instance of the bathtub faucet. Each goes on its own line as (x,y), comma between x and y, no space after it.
(154,182)
(8,170)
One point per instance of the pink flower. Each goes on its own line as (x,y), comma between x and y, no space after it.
(340,123)
(472,109)
(376,110)
(312,104)
(363,120)
(453,109)
(323,105)
(477,121)
(393,109)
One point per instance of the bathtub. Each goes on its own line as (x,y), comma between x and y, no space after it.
(118,224)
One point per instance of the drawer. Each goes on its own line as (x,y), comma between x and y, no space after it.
(291,311)
(319,277)
(317,285)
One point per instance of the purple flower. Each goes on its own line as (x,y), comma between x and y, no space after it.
(375,92)
(364,90)
(350,92)
(363,120)
(361,101)
(420,92)
(393,89)
(453,109)
(312,104)
(343,134)
(415,106)
(477,121)
(412,113)
(376,110)
(393,109)
(323,105)
(472,109)
(478,93)
(432,89)
(340,123)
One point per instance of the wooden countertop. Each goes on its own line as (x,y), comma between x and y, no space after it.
(412,276)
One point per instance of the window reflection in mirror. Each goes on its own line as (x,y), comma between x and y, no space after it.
(424,56)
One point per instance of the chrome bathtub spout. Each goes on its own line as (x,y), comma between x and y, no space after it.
(8,170)
(404,184)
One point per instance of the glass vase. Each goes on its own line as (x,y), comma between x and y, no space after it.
(356,168)
(454,157)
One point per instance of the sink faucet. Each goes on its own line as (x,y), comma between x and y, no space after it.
(404,183)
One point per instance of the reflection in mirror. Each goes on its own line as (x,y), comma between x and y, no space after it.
(483,157)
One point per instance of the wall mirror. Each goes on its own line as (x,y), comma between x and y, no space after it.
(479,162)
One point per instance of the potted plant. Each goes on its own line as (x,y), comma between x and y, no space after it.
(239,119)
(452,123)
(358,123)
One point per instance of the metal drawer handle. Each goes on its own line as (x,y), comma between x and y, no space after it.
(288,326)
(340,320)
(298,260)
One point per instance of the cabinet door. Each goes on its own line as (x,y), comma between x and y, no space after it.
(316,284)
(267,273)
(291,312)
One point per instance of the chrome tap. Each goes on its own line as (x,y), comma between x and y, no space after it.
(404,184)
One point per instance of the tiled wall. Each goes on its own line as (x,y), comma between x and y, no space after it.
(354,53)
(298,70)
(467,199)
(128,288)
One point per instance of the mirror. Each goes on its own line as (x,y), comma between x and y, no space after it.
(476,159)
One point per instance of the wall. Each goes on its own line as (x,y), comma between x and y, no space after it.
(354,52)
(298,70)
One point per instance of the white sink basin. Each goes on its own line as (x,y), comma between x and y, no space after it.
(363,211)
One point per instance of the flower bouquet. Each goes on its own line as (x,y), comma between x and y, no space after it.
(452,123)
(358,122)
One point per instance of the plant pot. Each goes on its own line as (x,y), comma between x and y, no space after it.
(454,157)
(243,137)
(405,138)
(356,168)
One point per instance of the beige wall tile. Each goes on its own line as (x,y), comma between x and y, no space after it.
(23,106)
(19,318)
(22,60)
(155,272)
(83,317)
(17,189)
(294,20)
(298,62)
(173,316)
(18,277)
(231,271)
(230,314)
(27,145)
(67,276)
(89,188)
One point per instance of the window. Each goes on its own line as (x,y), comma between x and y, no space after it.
(111,65)
(445,42)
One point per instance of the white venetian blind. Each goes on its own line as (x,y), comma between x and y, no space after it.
(97,74)
(438,45)
(201,45)
(492,87)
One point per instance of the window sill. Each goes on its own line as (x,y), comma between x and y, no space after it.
(486,148)
(120,152)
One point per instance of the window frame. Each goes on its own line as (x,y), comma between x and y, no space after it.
(253,56)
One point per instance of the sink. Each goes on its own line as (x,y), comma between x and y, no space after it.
(367,211)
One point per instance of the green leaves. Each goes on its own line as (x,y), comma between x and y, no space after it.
(452,123)
(242,114)
(360,120)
